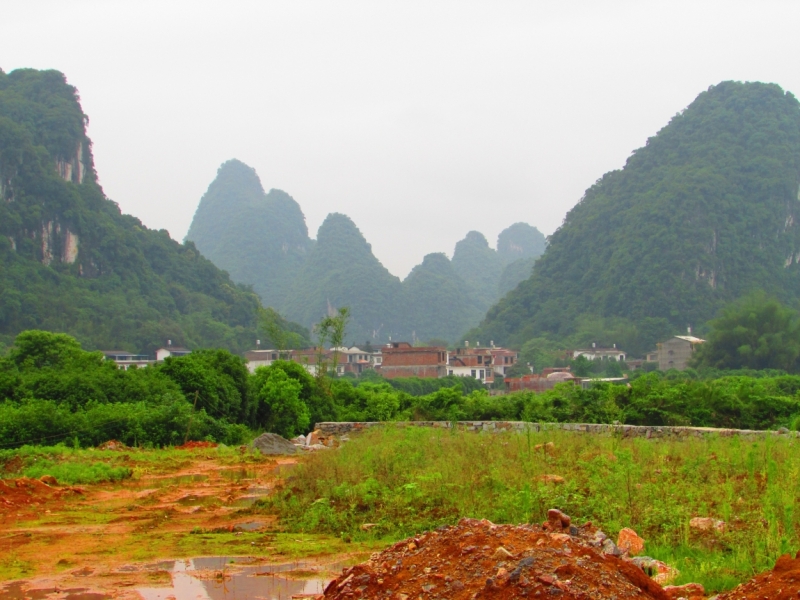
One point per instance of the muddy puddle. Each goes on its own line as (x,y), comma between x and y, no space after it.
(16,591)
(226,578)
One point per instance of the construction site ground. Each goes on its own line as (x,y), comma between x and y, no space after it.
(185,531)
(119,540)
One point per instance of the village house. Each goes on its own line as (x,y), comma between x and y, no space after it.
(401,359)
(595,353)
(676,352)
(171,350)
(126,360)
(503,359)
(477,363)
(349,360)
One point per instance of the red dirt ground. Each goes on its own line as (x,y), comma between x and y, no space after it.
(25,491)
(782,583)
(477,559)
(193,445)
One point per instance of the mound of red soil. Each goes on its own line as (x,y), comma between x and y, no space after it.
(192,445)
(477,559)
(782,583)
(25,491)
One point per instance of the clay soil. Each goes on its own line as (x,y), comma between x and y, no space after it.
(81,537)
(782,583)
(477,559)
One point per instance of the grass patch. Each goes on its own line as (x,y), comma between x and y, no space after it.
(77,472)
(405,480)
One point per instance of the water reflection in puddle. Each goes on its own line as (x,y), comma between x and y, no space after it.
(224,578)
(15,591)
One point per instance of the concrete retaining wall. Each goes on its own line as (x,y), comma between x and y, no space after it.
(646,431)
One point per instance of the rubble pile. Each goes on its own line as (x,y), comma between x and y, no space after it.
(478,559)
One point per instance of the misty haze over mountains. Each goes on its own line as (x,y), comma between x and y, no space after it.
(262,240)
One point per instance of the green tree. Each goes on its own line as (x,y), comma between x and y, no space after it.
(280,408)
(755,332)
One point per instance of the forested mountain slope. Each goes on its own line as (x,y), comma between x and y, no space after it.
(260,239)
(71,262)
(705,212)
(342,271)
(439,303)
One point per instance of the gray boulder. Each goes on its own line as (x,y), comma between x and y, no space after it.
(272,443)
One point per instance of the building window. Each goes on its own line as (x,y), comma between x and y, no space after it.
(483,374)
(450,372)
(473,372)
(480,360)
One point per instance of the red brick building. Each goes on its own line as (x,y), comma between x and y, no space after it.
(401,359)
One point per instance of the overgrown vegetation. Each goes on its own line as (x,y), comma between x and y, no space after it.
(413,479)
(51,391)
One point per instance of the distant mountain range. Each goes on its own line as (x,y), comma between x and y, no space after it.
(71,262)
(261,239)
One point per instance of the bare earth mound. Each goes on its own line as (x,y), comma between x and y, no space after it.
(782,583)
(477,559)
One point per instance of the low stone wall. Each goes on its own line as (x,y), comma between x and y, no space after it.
(646,431)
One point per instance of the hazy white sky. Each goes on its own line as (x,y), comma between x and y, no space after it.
(419,120)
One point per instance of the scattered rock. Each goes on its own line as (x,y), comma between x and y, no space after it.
(659,571)
(548,448)
(314,438)
(367,526)
(687,590)
(557,520)
(272,443)
(554,479)
(48,479)
(502,554)
(630,542)
(707,524)
(300,440)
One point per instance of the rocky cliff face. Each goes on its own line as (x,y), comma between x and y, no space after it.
(71,262)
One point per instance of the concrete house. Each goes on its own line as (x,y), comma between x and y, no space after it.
(477,363)
(676,352)
(595,353)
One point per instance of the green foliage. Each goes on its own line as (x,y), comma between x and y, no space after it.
(706,212)
(73,472)
(217,379)
(280,408)
(754,333)
(71,262)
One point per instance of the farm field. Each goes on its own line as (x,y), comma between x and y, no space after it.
(227,523)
